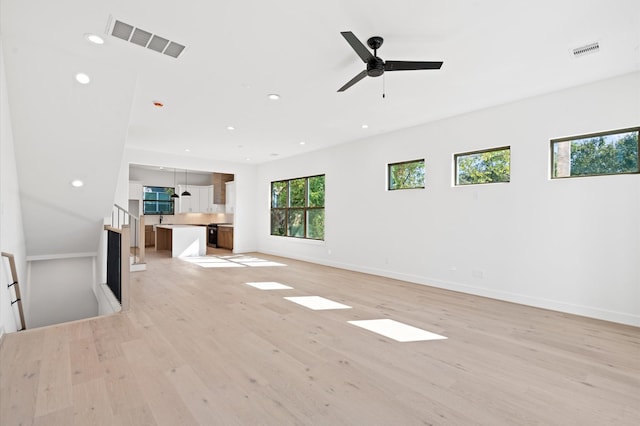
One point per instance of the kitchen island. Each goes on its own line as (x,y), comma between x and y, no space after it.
(182,240)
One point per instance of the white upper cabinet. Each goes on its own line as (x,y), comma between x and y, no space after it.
(135,190)
(230,201)
(200,201)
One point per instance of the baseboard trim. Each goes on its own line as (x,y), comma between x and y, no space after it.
(554,305)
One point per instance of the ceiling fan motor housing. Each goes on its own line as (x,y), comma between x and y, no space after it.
(375,67)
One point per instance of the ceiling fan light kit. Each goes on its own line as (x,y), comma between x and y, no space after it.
(375,65)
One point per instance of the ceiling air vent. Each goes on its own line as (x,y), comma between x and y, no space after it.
(586,50)
(146,39)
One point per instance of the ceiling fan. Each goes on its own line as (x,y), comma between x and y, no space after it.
(376,66)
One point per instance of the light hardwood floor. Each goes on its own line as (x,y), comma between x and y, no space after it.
(201,347)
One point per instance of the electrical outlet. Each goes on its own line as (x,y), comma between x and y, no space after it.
(477,273)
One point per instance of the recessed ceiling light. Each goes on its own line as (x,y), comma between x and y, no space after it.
(365,126)
(95,39)
(82,78)
(274,154)
(302,143)
(230,128)
(187,150)
(248,159)
(77,183)
(273,96)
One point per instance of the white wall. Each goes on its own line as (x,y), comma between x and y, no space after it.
(61,290)
(570,245)
(11,229)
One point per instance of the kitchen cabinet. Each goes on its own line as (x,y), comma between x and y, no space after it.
(206,199)
(225,236)
(230,199)
(135,190)
(182,240)
(200,201)
(149,236)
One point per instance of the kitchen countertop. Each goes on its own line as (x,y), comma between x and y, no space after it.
(175,226)
(226,225)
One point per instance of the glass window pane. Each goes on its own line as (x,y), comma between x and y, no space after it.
(296,223)
(315,224)
(406,175)
(296,192)
(316,191)
(157,200)
(483,167)
(278,222)
(606,154)
(279,194)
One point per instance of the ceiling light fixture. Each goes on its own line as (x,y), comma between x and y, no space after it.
(174,195)
(187,150)
(273,96)
(95,39)
(365,126)
(82,78)
(303,143)
(230,128)
(77,183)
(186,193)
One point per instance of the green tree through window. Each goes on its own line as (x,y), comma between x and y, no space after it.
(487,166)
(592,155)
(406,175)
(297,207)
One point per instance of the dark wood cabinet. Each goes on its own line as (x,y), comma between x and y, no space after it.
(149,236)
(225,237)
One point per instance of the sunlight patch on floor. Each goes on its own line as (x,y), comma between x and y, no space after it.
(396,330)
(317,303)
(233,261)
(269,286)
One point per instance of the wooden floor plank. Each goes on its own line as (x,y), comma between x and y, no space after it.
(199,346)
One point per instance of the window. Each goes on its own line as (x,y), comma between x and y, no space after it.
(157,200)
(607,153)
(297,208)
(487,166)
(406,175)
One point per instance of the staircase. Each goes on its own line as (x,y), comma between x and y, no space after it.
(121,217)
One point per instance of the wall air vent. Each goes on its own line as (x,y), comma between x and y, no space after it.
(586,50)
(145,39)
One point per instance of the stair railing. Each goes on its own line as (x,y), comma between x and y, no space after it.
(17,297)
(120,217)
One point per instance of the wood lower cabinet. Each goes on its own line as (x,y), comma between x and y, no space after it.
(165,239)
(149,236)
(225,237)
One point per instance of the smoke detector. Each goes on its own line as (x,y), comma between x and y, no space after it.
(586,49)
(144,38)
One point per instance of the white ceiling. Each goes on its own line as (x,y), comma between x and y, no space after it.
(494,51)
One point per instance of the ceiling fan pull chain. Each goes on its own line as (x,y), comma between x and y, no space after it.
(384,90)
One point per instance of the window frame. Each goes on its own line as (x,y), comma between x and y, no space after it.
(287,208)
(552,142)
(481,151)
(424,178)
(170,202)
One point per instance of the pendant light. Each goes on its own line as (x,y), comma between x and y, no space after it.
(175,194)
(186,184)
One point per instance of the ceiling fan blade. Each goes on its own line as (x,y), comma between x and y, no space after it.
(357,45)
(411,65)
(353,81)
